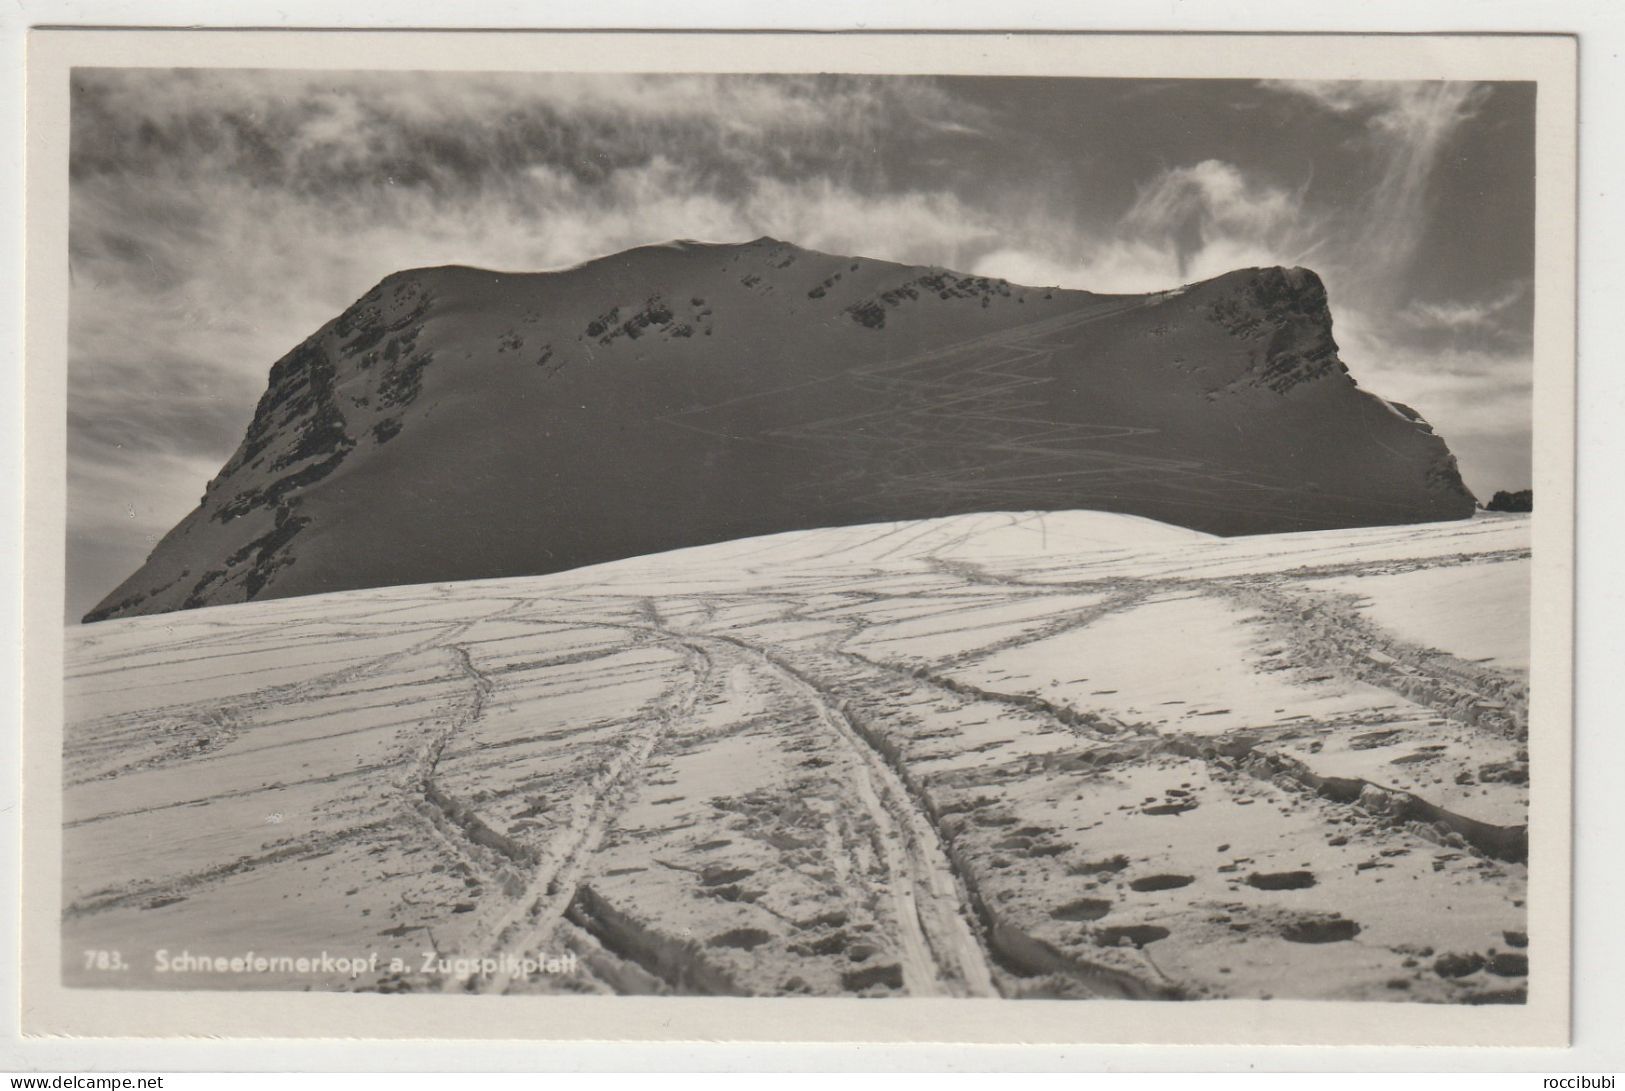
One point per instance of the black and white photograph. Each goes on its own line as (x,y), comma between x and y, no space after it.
(806,534)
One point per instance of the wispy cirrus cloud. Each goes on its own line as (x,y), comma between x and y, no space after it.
(1192,220)
(1187,223)
(1470,314)
(1408,126)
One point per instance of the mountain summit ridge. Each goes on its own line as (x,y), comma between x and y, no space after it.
(461,423)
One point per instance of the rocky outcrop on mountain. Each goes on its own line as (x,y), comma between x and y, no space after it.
(459,423)
(1520,500)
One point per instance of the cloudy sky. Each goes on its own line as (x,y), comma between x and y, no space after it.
(220,216)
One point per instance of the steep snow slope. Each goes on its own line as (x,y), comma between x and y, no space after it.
(458,424)
(1065,754)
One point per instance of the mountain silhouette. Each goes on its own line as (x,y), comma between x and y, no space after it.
(459,423)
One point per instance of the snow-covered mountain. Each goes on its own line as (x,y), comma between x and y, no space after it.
(458,423)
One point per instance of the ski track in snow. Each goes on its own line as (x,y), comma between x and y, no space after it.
(1063,754)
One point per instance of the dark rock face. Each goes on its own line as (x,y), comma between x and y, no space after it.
(457,424)
(1286,308)
(1522,500)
